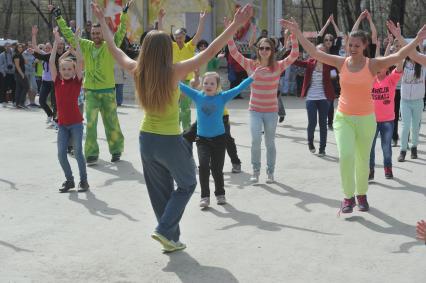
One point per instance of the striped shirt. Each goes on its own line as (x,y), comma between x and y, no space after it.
(263,96)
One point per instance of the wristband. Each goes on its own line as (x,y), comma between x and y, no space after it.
(56,12)
(126,8)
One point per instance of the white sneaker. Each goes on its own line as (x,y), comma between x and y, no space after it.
(221,199)
(255,177)
(49,120)
(205,202)
(270,179)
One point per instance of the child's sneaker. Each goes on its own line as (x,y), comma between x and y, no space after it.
(388,173)
(67,185)
(236,168)
(311,148)
(205,202)
(255,177)
(414,152)
(270,179)
(84,186)
(347,205)
(362,203)
(371,175)
(220,200)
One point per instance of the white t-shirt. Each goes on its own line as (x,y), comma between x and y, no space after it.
(412,88)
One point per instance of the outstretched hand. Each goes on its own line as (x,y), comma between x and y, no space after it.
(56,34)
(394,29)
(161,13)
(34,30)
(203,15)
(421,35)
(226,22)
(97,11)
(242,15)
(421,230)
(291,25)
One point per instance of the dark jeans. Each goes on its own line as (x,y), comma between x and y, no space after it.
(211,156)
(38,81)
(21,90)
(165,160)
(231,148)
(386,130)
(119,94)
(395,135)
(65,134)
(330,114)
(8,85)
(239,77)
(320,108)
(281,109)
(46,88)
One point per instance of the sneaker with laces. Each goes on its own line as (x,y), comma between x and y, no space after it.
(388,173)
(221,199)
(167,245)
(401,157)
(205,202)
(413,152)
(270,179)
(66,186)
(49,120)
(371,175)
(91,160)
(348,205)
(321,153)
(236,168)
(362,203)
(84,186)
(115,157)
(255,177)
(311,148)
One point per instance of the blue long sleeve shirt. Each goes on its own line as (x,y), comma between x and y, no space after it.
(210,108)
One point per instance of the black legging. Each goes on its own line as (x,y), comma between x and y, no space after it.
(21,90)
(395,135)
(46,88)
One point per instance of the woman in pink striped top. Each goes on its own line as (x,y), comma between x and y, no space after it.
(263,104)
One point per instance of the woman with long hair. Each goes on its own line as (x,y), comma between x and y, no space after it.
(166,156)
(354,122)
(263,105)
(21,80)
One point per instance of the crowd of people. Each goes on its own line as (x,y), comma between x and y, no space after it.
(376,84)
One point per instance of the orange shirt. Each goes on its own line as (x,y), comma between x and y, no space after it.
(355,95)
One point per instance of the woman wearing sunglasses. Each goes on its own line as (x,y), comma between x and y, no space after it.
(263,105)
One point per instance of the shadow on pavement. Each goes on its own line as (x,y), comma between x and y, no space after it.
(122,170)
(241,180)
(13,247)
(98,207)
(11,184)
(405,186)
(190,270)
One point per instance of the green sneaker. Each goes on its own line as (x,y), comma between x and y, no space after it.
(168,246)
(177,246)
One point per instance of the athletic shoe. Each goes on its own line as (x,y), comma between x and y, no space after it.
(236,168)
(91,160)
(66,186)
(330,127)
(49,120)
(270,179)
(255,177)
(115,157)
(388,173)
(220,200)
(168,246)
(281,119)
(177,246)
(348,205)
(362,203)
(394,143)
(311,148)
(401,157)
(70,149)
(4,104)
(205,202)
(371,175)
(321,153)
(413,152)
(84,186)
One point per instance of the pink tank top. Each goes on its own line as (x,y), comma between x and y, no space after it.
(355,95)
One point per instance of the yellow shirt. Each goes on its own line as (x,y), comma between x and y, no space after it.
(187,52)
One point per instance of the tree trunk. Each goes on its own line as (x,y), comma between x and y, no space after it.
(329,7)
(347,14)
(397,12)
(314,14)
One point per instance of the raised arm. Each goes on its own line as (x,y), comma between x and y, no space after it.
(241,17)
(122,59)
(200,29)
(78,56)
(358,21)
(160,19)
(372,28)
(34,32)
(378,64)
(190,92)
(324,28)
(52,64)
(323,57)
(336,28)
(252,41)
(287,61)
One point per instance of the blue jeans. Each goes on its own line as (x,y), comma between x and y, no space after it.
(411,114)
(386,132)
(320,108)
(74,132)
(165,160)
(119,94)
(269,122)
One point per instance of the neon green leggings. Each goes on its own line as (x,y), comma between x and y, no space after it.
(354,137)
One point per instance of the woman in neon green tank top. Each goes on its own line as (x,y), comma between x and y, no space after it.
(355,121)
(166,156)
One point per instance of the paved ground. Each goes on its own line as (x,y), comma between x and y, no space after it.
(285,232)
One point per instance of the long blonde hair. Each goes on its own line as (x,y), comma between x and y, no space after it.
(154,72)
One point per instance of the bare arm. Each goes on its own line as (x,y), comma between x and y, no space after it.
(336,28)
(122,59)
(200,28)
(373,28)
(253,35)
(160,18)
(323,57)
(52,64)
(66,54)
(78,55)
(359,20)
(324,28)
(34,32)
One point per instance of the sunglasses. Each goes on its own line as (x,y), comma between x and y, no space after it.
(327,39)
(266,48)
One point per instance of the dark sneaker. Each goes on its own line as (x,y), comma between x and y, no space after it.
(330,127)
(84,186)
(311,147)
(348,205)
(70,150)
(414,152)
(321,153)
(394,143)
(371,175)
(91,160)
(401,157)
(281,119)
(362,203)
(66,186)
(115,157)
(388,173)
(236,168)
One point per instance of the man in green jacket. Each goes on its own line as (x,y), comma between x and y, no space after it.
(99,85)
